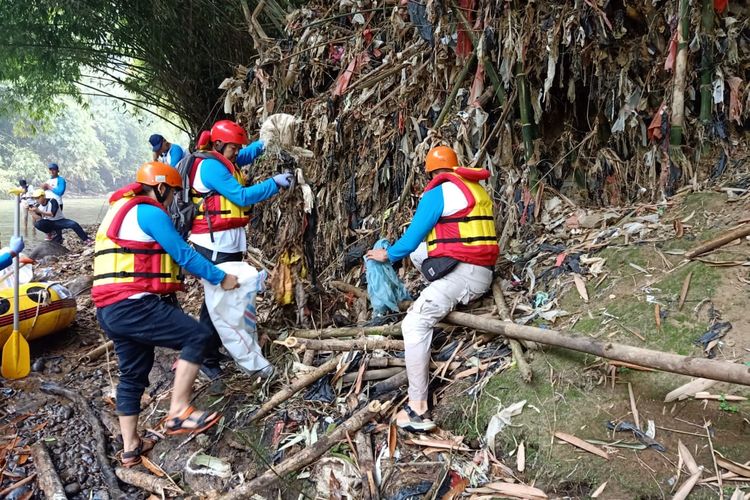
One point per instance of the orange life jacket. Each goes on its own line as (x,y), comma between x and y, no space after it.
(469,235)
(123,268)
(222,213)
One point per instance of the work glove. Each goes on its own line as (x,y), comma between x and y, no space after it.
(16,244)
(283,180)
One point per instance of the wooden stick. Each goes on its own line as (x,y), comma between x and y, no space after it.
(349,331)
(309,357)
(96,430)
(390,384)
(308,455)
(729,237)
(367,344)
(347,288)
(297,385)
(97,353)
(350,378)
(504,312)
(366,465)
(144,481)
(16,485)
(385,362)
(664,361)
(48,479)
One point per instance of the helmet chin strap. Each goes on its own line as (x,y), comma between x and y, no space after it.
(161,198)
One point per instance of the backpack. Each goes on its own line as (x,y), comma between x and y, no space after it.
(183,210)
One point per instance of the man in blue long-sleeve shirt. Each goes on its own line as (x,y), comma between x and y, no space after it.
(137,260)
(55,186)
(218,231)
(164,151)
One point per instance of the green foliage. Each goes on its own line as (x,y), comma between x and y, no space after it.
(725,406)
(97,147)
(170,56)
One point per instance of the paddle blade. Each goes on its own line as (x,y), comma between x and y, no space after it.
(16,357)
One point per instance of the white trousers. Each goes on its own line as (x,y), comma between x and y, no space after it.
(463,284)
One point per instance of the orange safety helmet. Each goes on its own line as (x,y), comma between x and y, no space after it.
(228,131)
(440,157)
(154,173)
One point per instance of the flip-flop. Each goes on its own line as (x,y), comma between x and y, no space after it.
(174,425)
(132,458)
(417,423)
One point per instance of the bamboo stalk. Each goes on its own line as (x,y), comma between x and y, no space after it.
(664,361)
(144,481)
(680,71)
(504,312)
(707,61)
(349,331)
(722,240)
(524,105)
(367,344)
(49,481)
(308,455)
(384,373)
(297,385)
(448,104)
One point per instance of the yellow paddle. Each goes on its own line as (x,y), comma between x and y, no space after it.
(16,357)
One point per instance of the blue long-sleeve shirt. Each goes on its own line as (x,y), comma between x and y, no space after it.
(157,224)
(429,211)
(216,177)
(175,154)
(59,190)
(6,259)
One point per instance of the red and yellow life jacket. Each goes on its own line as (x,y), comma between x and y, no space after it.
(123,268)
(469,235)
(222,213)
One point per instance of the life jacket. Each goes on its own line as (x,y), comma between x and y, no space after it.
(222,213)
(469,235)
(123,268)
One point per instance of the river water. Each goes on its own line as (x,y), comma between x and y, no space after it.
(82,210)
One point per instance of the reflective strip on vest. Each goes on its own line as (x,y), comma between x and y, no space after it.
(469,235)
(123,268)
(222,213)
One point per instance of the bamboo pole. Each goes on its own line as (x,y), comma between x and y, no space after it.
(524,105)
(722,240)
(707,61)
(297,385)
(448,104)
(381,374)
(147,482)
(664,361)
(49,481)
(349,331)
(308,455)
(680,72)
(366,344)
(515,346)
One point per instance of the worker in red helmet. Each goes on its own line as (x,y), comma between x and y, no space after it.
(452,241)
(138,258)
(218,231)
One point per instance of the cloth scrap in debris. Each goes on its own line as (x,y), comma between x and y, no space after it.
(418,17)
(383,286)
(638,433)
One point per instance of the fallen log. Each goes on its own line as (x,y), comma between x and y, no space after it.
(297,385)
(96,430)
(366,344)
(504,312)
(722,240)
(49,481)
(664,361)
(350,378)
(97,352)
(389,384)
(349,331)
(308,455)
(146,482)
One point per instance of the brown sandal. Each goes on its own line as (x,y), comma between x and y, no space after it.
(175,426)
(132,458)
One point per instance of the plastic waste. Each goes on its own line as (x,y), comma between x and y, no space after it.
(234,315)
(638,433)
(383,286)
(501,420)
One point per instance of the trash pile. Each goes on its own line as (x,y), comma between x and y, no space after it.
(564,102)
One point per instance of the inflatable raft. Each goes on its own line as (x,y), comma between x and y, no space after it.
(44,308)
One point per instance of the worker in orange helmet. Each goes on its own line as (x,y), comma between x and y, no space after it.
(452,240)
(138,257)
(218,230)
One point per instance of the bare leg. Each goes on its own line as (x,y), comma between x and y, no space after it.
(129,429)
(184,378)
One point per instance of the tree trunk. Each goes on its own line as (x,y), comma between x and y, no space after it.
(664,361)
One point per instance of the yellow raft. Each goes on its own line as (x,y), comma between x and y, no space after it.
(44,308)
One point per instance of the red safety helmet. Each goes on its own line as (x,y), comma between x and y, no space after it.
(228,131)
(204,140)
(154,173)
(440,157)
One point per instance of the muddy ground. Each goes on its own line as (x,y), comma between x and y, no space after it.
(572,393)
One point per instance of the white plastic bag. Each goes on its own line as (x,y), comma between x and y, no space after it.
(233,314)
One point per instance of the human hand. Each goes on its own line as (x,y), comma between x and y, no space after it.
(45,186)
(230,282)
(283,180)
(378,254)
(16,245)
